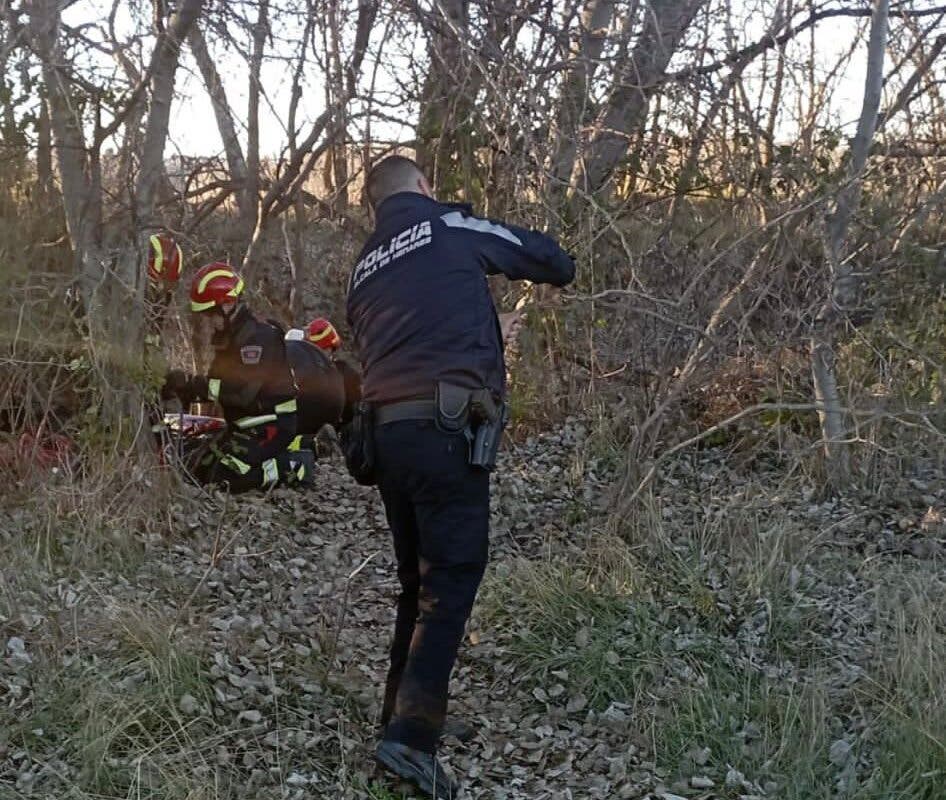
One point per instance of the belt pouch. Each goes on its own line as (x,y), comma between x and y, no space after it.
(453,408)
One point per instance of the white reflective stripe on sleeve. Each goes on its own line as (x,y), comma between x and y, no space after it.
(288,407)
(252,422)
(213,388)
(456,220)
(270,471)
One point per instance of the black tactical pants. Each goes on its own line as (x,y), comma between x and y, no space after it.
(438,509)
(243,462)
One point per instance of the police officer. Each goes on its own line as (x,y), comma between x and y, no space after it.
(429,340)
(250,378)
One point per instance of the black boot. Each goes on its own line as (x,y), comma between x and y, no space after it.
(420,768)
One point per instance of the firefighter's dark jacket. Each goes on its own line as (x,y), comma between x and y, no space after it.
(419,302)
(320,386)
(251,380)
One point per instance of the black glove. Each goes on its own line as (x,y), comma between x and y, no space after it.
(179,384)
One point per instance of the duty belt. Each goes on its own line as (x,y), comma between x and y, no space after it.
(407,410)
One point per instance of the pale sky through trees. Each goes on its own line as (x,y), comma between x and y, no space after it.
(193,130)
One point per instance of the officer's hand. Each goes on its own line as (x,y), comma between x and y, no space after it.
(510,324)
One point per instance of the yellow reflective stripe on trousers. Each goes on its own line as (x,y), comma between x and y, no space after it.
(235,464)
(289,407)
(251,422)
(295,445)
(213,389)
(270,471)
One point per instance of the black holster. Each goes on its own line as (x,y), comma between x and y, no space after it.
(491,418)
(477,415)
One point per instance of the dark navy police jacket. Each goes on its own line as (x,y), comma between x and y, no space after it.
(419,303)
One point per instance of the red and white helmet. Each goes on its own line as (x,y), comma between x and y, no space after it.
(215,285)
(322,333)
(164,259)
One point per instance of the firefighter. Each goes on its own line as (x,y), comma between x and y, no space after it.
(322,333)
(165,259)
(251,380)
(321,390)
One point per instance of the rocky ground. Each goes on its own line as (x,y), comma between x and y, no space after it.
(737,638)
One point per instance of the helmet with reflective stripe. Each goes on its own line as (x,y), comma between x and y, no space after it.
(215,285)
(322,333)
(164,259)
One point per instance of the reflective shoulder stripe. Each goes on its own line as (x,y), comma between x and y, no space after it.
(289,407)
(270,471)
(235,464)
(455,219)
(213,389)
(251,422)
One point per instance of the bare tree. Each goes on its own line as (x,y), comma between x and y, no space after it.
(109,268)
(842,293)
(665,24)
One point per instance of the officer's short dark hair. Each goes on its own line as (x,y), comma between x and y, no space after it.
(390,175)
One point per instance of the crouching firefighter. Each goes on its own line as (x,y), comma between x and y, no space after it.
(329,387)
(251,380)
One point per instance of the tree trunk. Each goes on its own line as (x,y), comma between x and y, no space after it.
(339,154)
(82,208)
(44,157)
(127,319)
(295,255)
(574,109)
(249,217)
(666,23)
(435,142)
(843,289)
(163,68)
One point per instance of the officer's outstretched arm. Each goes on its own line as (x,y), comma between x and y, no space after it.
(517,253)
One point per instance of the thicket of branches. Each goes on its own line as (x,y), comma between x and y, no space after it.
(736,227)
